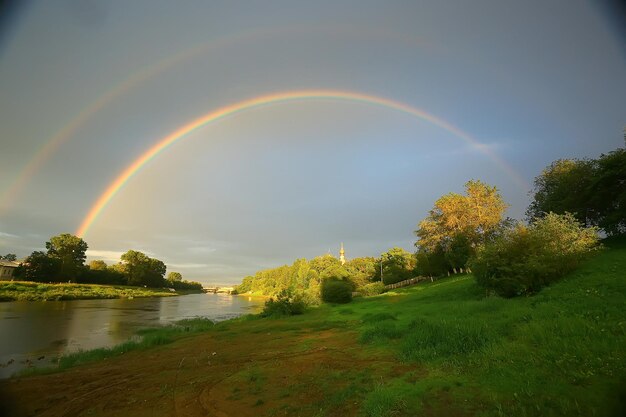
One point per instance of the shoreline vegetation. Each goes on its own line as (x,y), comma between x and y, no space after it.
(38,291)
(441,348)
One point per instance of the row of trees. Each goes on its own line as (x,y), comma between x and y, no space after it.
(65,258)
(572,201)
(309,276)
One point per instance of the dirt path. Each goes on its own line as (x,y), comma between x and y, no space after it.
(248,373)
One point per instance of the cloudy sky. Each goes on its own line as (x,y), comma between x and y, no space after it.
(498,90)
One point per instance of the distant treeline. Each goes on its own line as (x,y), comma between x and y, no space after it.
(572,201)
(308,275)
(64,261)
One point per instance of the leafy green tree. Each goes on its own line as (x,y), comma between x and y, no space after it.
(563,186)
(97,265)
(459,252)
(324,264)
(398,265)
(431,264)
(8,257)
(143,270)
(99,273)
(40,267)
(70,251)
(362,271)
(608,200)
(592,190)
(462,222)
(174,277)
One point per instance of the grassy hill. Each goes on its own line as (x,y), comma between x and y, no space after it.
(436,349)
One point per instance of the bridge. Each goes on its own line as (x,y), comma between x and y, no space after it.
(216,290)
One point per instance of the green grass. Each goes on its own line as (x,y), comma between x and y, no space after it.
(35,291)
(561,352)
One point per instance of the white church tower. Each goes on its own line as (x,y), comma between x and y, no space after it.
(342,255)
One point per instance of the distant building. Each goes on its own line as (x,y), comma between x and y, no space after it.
(342,255)
(7,268)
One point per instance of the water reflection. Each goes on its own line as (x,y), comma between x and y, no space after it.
(36,333)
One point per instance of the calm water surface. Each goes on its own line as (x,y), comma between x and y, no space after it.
(36,333)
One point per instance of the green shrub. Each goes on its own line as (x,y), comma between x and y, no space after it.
(374,288)
(525,259)
(376,317)
(286,304)
(336,291)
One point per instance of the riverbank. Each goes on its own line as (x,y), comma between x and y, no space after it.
(435,349)
(37,291)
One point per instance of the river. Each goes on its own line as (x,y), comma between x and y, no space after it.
(34,333)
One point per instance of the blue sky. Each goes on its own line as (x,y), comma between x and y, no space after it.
(531,81)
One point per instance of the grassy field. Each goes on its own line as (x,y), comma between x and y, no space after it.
(435,349)
(36,291)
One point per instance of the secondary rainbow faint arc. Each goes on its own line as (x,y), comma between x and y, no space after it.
(269,99)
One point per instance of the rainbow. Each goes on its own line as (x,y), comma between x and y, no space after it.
(269,99)
(69,130)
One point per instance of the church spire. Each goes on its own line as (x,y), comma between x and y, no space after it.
(342,255)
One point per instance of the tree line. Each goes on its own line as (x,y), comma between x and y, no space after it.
(572,201)
(64,261)
(309,276)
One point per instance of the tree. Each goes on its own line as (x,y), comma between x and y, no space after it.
(398,265)
(8,257)
(462,222)
(563,186)
(608,200)
(143,270)
(361,270)
(174,277)
(40,267)
(324,264)
(98,265)
(592,190)
(70,251)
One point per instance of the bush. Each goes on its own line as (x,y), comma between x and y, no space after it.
(336,291)
(374,288)
(525,259)
(286,304)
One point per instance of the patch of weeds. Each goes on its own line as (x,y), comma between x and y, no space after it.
(429,340)
(255,379)
(376,317)
(381,331)
(384,401)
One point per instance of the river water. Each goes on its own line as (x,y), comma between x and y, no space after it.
(34,333)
